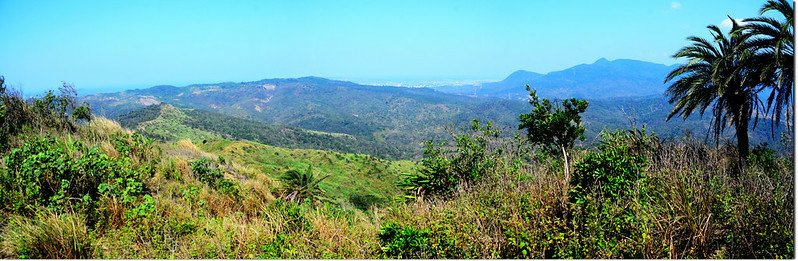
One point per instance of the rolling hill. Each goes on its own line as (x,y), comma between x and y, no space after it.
(167,123)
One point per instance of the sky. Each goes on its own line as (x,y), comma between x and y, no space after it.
(112,45)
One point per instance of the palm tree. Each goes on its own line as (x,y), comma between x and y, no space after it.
(772,42)
(717,74)
(298,186)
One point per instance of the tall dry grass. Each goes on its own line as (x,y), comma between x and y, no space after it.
(46,236)
(690,205)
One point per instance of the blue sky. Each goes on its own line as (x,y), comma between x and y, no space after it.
(108,45)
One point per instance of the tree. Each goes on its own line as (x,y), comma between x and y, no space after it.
(554,128)
(298,186)
(82,113)
(772,42)
(14,113)
(718,74)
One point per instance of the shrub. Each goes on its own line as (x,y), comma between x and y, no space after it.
(65,176)
(365,201)
(405,242)
(280,247)
(446,169)
(14,113)
(613,171)
(208,172)
(48,113)
(82,113)
(764,158)
(143,210)
(43,173)
(204,170)
(608,188)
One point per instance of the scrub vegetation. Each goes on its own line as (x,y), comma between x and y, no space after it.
(185,185)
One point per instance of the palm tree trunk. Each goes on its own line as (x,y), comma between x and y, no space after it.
(741,128)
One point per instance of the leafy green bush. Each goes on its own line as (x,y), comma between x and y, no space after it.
(204,170)
(405,242)
(43,173)
(280,247)
(607,187)
(445,169)
(65,176)
(519,244)
(143,210)
(82,113)
(207,172)
(764,158)
(365,201)
(613,171)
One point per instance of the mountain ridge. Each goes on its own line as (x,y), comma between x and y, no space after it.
(400,117)
(598,80)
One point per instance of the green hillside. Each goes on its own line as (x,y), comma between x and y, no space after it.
(353,177)
(166,122)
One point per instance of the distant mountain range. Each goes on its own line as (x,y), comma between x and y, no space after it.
(599,80)
(398,117)
(392,122)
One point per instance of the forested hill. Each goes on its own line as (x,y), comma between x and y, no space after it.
(167,123)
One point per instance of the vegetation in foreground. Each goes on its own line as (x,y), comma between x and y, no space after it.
(75,186)
(100,191)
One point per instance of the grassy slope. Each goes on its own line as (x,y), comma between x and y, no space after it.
(350,174)
(168,125)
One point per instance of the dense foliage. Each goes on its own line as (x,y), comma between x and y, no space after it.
(207,172)
(614,170)
(445,170)
(48,112)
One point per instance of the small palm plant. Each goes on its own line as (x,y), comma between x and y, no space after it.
(299,186)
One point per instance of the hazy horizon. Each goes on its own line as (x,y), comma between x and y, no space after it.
(109,46)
